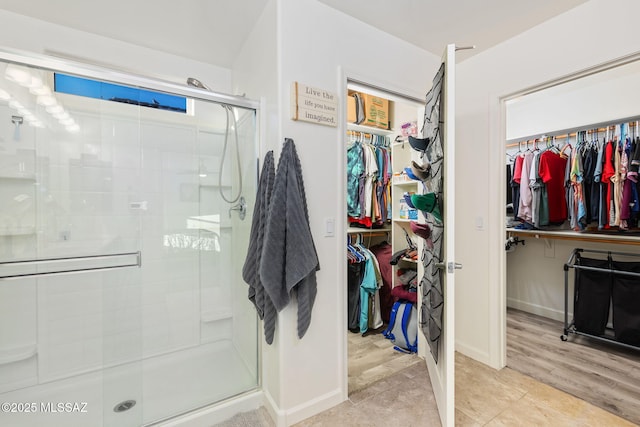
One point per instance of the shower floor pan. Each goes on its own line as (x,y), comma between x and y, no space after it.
(134,394)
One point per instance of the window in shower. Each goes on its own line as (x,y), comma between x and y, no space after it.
(73,85)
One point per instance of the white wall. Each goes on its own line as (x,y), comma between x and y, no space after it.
(543,294)
(24,33)
(255,72)
(546,52)
(576,104)
(315,40)
(313,43)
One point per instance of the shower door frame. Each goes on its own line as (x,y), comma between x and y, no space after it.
(63,65)
(115,76)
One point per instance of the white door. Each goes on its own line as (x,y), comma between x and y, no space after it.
(437,336)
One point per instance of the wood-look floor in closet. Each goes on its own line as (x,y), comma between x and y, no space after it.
(602,374)
(372,358)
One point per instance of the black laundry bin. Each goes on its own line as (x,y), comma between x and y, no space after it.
(626,303)
(592,296)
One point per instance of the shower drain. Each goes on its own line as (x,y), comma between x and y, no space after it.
(124,406)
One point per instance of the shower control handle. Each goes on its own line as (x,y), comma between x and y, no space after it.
(241,207)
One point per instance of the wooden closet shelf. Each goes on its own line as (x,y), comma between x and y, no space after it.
(370,129)
(369,231)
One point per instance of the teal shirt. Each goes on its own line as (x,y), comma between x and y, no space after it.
(355,170)
(368,286)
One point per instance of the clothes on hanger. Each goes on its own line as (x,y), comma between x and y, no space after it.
(587,183)
(364,280)
(383,253)
(368,180)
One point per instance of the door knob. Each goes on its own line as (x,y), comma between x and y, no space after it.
(451,266)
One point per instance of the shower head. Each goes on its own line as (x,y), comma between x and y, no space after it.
(191,81)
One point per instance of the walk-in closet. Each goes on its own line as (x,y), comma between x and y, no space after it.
(382,251)
(572,235)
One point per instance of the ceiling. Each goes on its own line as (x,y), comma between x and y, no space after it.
(432,24)
(214,31)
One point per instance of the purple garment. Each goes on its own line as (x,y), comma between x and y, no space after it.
(383,254)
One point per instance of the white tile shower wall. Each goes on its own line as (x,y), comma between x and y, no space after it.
(20,246)
(69,318)
(88,321)
(18,374)
(218,330)
(81,172)
(17,214)
(18,332)
(17,178)
(216,281)
(211,146)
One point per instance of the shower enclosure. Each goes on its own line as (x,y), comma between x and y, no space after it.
(121,298)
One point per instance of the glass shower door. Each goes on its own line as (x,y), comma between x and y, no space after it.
(121,249)
(70,255)
(205,335)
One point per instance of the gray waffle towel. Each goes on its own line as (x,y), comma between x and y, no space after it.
(251,269)
(289,259)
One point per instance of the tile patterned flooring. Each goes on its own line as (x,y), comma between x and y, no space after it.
(484,397)
(388,389)
(402,399)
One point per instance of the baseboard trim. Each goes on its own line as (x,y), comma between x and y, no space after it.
(550,313)
(473,353)
(313,407)
(303,411)
(278,416)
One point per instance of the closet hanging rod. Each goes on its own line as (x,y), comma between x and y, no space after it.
(377,234)
(371,234)
(617,239)
(358,133)
(363,134)
(569,135)
(602,127)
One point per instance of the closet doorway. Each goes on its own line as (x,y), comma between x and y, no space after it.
(386,152)
(533,278)
(427,157)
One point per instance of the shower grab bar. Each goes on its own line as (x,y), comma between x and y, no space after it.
(137,263)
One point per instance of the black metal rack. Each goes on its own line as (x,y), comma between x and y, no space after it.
(609,335)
